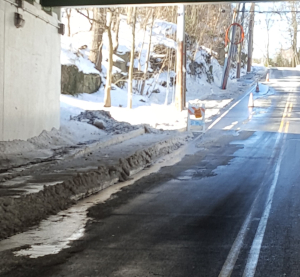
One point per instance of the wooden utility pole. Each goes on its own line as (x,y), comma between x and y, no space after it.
(231,47)
(250,40)
(179,94)
(238,69)
(184,73)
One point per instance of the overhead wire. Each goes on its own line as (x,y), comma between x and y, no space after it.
(278,12)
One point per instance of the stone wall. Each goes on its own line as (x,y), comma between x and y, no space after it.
(30,72)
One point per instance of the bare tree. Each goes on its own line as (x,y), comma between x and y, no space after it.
(88,16)
(116,29)
(293,19)
(144,26)
(99,27)
(206,24)
(68,13)
(148,51)
(107,98)
(269,23)
(294,6)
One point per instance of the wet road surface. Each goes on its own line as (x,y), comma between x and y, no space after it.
(230,209)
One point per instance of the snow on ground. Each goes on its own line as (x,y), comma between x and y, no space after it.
(155,108)
(70,55)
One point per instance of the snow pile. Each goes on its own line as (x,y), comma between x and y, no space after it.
(17,214)
(103,120)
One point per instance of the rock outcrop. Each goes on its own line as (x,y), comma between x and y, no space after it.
(74,82)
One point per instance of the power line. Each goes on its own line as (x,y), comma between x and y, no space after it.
(278,12)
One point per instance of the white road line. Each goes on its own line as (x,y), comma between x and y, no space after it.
(238,243)
(257,242)
(219,118)
(226,112)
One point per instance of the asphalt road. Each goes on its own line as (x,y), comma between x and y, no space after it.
(231,209)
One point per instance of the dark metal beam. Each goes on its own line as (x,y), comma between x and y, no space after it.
(70,3)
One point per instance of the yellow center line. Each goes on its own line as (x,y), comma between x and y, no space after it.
(286,108)
(291,106)
(284,115)
(287,126)
(290,109)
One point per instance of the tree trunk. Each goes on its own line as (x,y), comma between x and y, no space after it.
(129,15)
(169,57)
(295,31)
(240,46)
(143,42)
(250,41)
(98,30)
(107,98)
(268,49)
(68,12)
(179,94)
(131,67)
(140,54)
(117,28)
(148,54)
(227,63)
(213,30)
(205,26)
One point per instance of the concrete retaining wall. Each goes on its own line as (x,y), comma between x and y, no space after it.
(30,72)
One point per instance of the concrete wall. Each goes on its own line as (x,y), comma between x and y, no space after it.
(30,73)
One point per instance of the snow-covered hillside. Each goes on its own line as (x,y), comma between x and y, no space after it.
(199,84)
(203,76)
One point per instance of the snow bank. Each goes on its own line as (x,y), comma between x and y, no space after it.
(18,214)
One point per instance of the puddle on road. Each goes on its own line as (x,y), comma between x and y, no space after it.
(56,232)
(184,177)
(187,174)
(52,235)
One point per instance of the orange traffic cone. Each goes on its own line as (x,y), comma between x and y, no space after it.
(257,88)
(267,77)
(251,101)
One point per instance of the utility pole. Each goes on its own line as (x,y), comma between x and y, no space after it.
(179,94)
(231,47)
(238,69)
(184,73)
(250,40)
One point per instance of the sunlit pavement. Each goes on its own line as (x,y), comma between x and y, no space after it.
(230,209)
